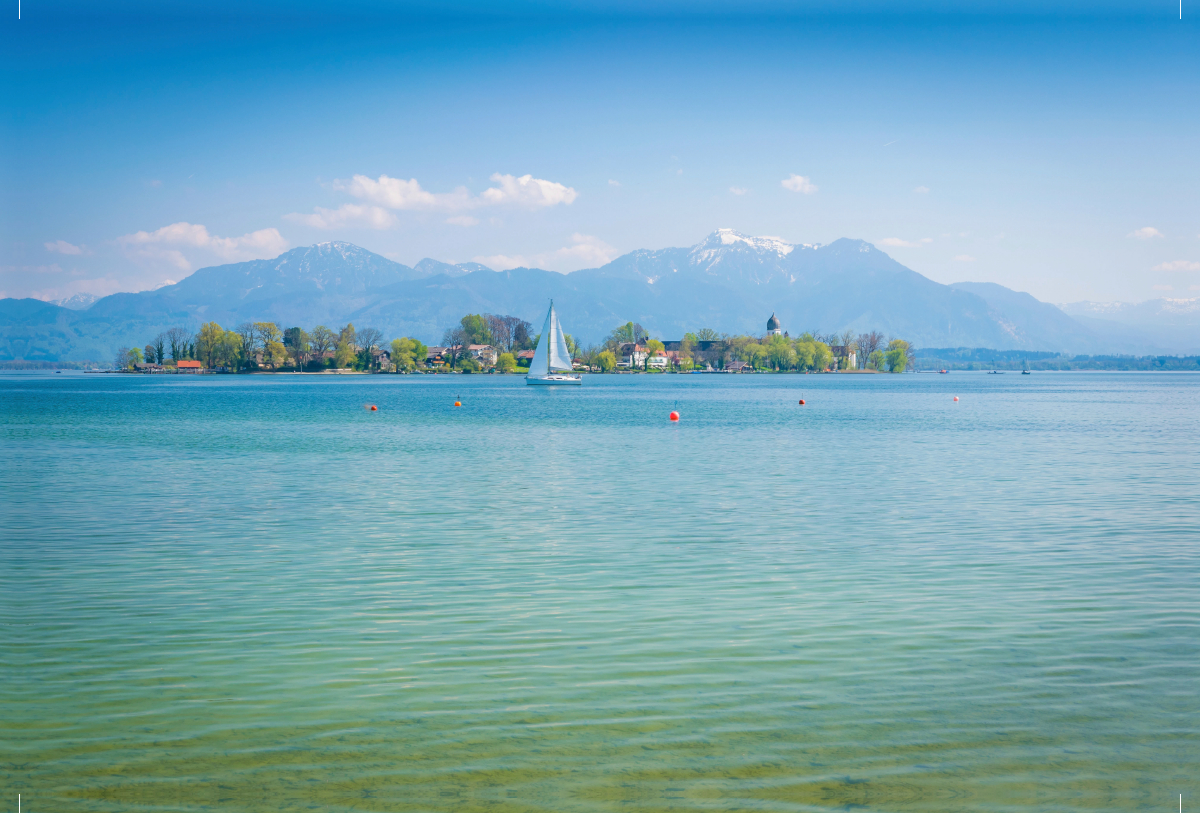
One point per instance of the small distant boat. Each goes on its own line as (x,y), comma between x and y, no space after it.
(552,355)
(1024,372)
(943,372)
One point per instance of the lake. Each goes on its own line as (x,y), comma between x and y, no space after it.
(251,593)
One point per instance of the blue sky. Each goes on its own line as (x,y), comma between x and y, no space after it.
(1050,147)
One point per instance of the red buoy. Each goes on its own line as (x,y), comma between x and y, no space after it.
(459,403)
(801,402)
(374,408)
(674,416)
(956,398)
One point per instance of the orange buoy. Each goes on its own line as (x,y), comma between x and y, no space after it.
(674,416)
(459,403)
(374,408)
(956,398)
(801,402)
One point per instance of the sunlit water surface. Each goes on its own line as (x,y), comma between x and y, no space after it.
(252,594)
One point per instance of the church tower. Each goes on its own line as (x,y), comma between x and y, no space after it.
(773,326)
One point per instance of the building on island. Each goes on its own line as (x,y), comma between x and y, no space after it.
(188,366)
(773,326)
(846,356)
(485,354)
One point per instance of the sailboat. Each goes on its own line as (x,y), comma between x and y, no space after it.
(551,361)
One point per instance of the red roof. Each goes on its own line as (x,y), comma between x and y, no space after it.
(188,363)
(525,354)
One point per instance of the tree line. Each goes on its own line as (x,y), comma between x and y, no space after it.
(255,345)
(811,351)
(258,345)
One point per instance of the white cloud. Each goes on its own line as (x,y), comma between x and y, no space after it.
(396,193)
(896,242)
(922,190)
(965,258)
(737,190)
(169,244)
(586,251)
(63,247)
(1177,265)
(527,191)
(611,182)
(798,183)
(348,215)
(1145,233)
(463,220)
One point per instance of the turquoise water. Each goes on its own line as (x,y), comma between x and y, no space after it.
(252,594)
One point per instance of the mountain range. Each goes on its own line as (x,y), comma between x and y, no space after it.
(729,282)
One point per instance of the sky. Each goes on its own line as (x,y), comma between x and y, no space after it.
(1050,147)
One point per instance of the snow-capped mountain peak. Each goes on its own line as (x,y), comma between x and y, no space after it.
(729,237)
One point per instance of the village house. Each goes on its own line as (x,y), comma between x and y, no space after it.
(631,355)
(485,354)
(188,366)
(525,358)
(437,357)
(846,355)
(149,368)
(381,359)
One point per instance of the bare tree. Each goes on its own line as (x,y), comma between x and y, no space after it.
(868,343)
(180,341)
(522,332)
(457,341)
(368,339)
(501,329)
(160,345)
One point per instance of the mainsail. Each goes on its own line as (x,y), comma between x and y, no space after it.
(551,355)
(560,356)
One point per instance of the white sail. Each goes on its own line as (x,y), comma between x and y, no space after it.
(551,359)
(539,367)
(560,356)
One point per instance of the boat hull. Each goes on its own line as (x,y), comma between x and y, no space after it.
(554,380)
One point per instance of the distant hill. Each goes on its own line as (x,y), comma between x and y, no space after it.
(1173,324)
(729,282)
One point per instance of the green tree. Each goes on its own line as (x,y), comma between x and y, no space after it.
(344,355)
(506,363)
(274,354)
(781,353)
(822,356)
(897,356)
(875,361)
(606,361)
(468,365)
(160,348)
(653,348)
(229,352)
(408,354)
(208,343)
(296,340)
(708,335)
(126,358)
(476,329)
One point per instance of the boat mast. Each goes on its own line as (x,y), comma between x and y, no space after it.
(550,337)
